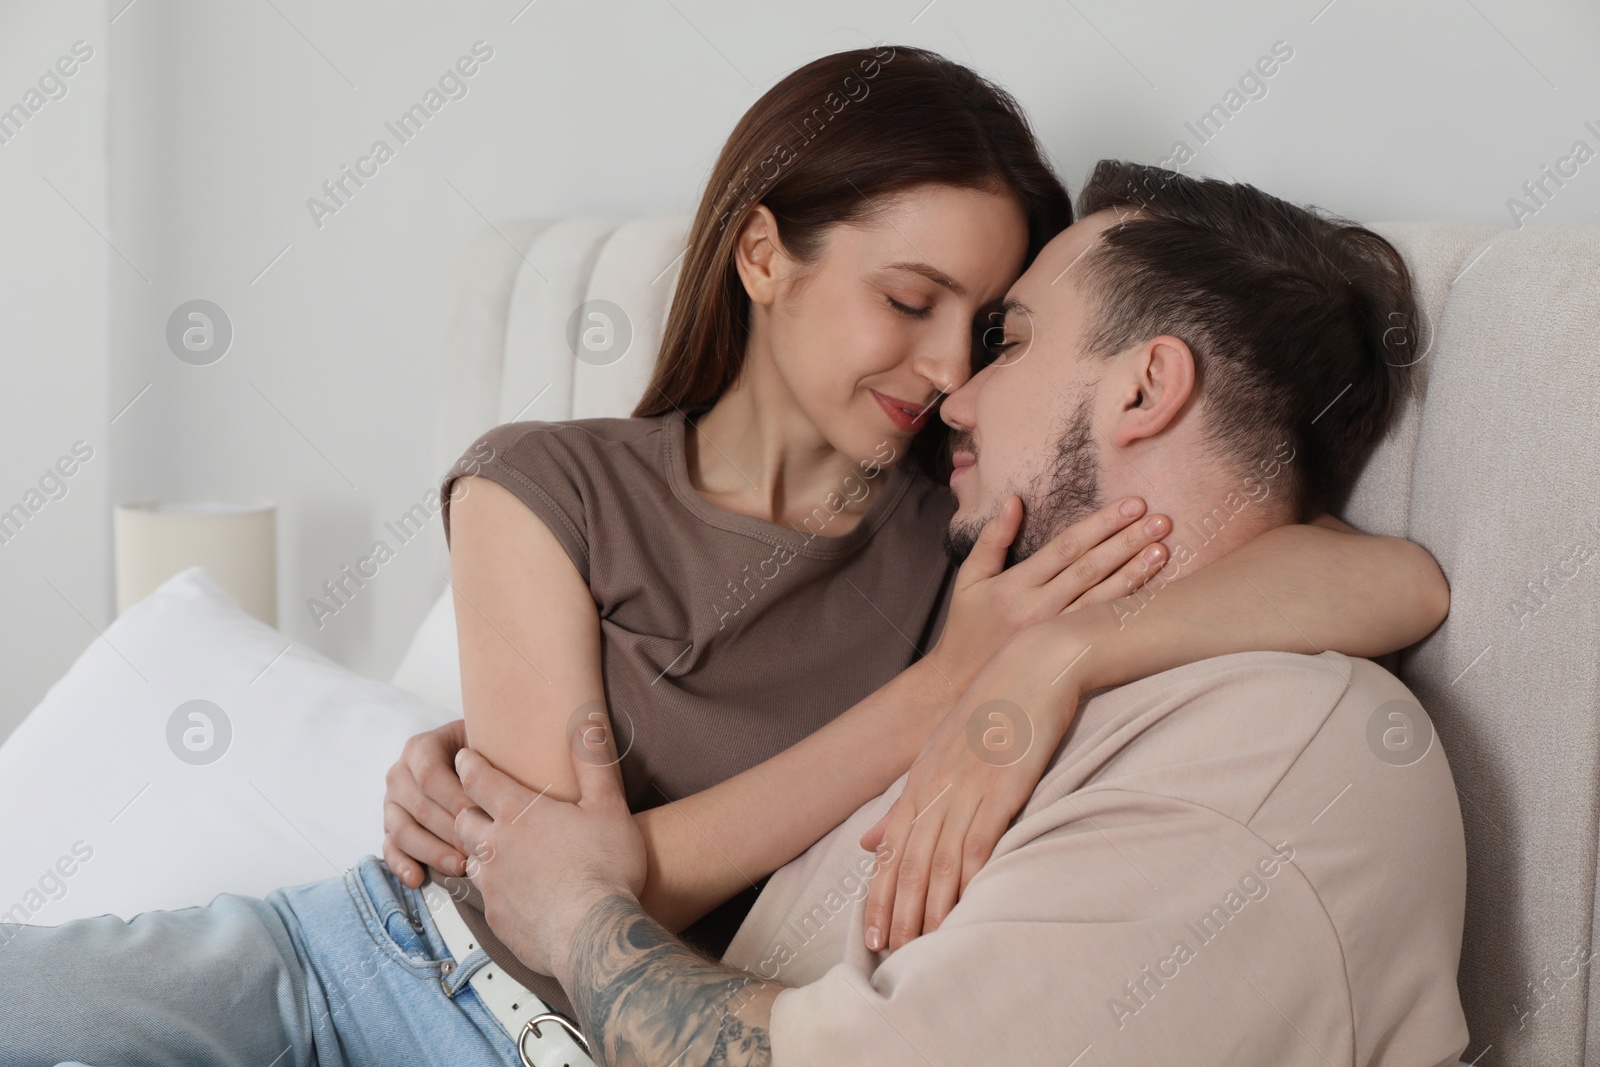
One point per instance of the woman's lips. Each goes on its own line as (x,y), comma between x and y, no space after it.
(906,416)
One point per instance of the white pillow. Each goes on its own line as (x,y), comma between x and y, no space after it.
(431,667)
(99,813)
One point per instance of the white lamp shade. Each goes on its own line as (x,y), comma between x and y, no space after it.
(236,542)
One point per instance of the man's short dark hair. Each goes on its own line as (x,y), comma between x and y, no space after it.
(1302,325)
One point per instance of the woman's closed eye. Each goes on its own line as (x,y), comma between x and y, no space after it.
(907,310)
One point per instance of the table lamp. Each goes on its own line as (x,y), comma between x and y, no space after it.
(235,541)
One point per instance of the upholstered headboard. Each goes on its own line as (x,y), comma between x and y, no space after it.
(1496,471)
(511,355)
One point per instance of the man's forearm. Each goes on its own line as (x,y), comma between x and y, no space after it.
(644,999)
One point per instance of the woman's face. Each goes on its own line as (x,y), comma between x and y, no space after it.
(870,335)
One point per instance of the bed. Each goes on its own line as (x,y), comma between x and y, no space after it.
(193,750)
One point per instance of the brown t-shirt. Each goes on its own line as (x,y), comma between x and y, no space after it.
(725,638)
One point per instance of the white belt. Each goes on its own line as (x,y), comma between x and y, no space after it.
(544,1038)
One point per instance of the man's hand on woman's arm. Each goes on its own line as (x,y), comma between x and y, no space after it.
(560,885)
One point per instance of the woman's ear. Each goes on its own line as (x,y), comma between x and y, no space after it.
(759,255)
(1161,380)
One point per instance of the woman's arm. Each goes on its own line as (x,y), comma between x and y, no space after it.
(528,633)
(530,646)
(1300,588)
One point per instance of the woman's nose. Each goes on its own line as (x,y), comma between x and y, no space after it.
(947,370)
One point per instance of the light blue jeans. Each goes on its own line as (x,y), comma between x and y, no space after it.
(345,971)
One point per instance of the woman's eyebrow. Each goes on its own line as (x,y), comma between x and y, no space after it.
(932,273)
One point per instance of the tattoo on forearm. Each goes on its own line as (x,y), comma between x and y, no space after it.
(644,999)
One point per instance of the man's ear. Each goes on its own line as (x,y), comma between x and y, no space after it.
(1160,381)
(759,255)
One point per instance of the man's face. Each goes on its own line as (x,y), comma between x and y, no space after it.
(1029,423)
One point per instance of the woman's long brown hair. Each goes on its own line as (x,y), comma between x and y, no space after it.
(818,149)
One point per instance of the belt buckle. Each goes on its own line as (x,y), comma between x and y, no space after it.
(532,1026)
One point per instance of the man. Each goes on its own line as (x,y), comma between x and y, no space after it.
(1254,859)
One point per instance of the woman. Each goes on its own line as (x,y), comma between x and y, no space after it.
(741,578)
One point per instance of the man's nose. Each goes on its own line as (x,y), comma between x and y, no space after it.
(960,408)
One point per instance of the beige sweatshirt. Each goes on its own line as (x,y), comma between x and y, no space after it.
(1252,860)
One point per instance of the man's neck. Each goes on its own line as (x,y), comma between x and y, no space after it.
(1201,537)
(1215,507)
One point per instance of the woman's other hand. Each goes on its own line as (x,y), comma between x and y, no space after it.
(1097,559)
(973,776)
(422,797)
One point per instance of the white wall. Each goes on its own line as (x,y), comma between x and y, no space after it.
(55,556)
(225,118)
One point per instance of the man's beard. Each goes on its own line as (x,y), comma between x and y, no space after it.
(1066,491)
